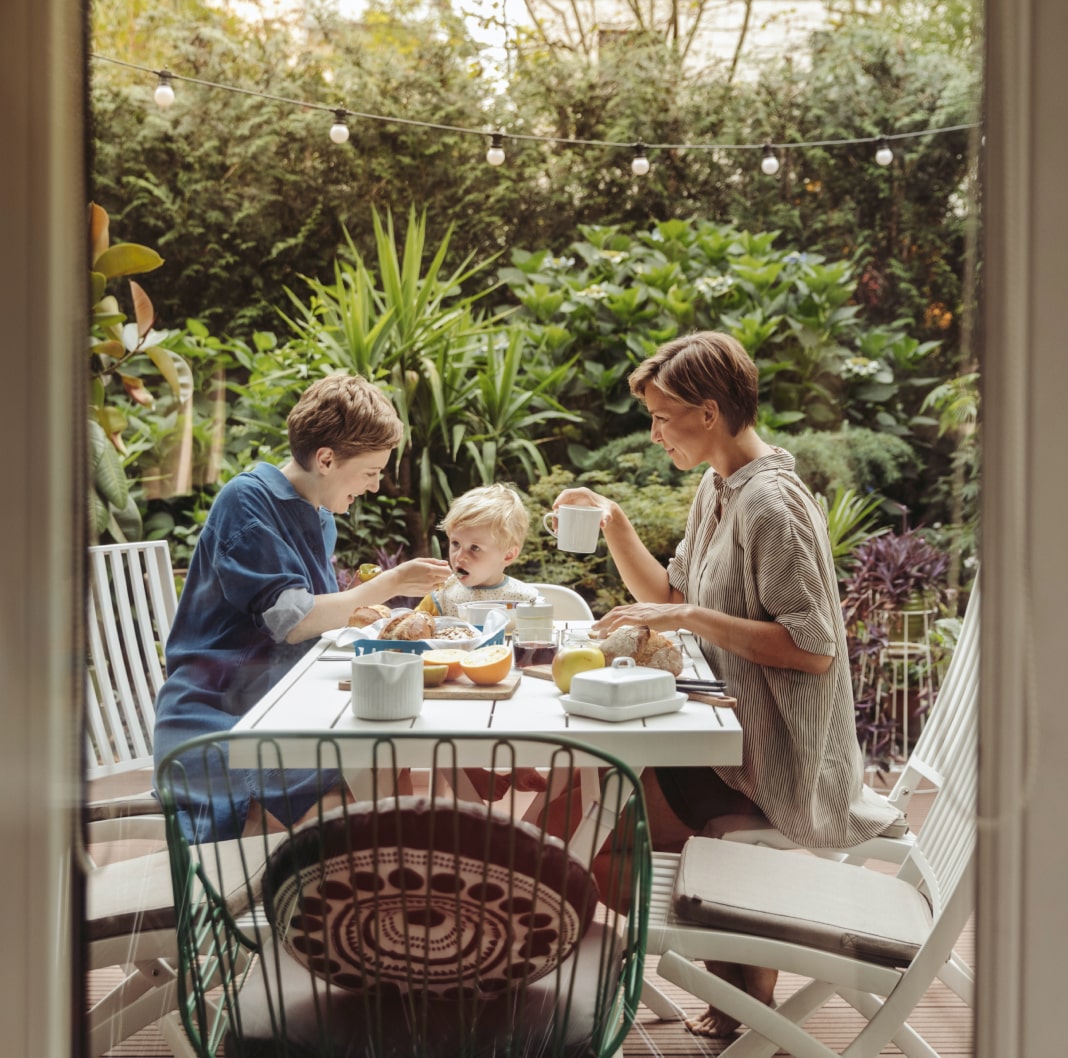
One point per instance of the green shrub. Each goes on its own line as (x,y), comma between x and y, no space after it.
(853,457)
(632,458)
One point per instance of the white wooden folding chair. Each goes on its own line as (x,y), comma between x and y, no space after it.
(129,906)
(878,941)
(948,722)
(567,604)
(132,600)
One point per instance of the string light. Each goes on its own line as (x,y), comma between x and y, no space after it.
(339,131)
(639,165)
(883,155)
(164,94)
(770,162)
(495,154)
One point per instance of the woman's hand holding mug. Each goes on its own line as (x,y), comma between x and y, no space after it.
(576,520)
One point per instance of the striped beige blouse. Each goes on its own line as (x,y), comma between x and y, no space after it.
(756,546)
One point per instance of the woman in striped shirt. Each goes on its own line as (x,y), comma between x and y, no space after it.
(754,580)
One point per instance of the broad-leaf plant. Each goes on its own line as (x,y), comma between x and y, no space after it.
(114,342)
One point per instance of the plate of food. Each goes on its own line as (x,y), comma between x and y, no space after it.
(413,631)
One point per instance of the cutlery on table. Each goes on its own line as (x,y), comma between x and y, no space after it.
(699,681)
(692,685)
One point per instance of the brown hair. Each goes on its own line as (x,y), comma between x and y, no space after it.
(704,366)
(497,507)
(345,413)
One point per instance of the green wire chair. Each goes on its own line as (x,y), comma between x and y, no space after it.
(409,925)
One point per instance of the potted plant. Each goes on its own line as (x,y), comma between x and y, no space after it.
(895,587)
(894,574)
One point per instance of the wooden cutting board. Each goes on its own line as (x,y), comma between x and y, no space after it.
(543,672)
(462,688)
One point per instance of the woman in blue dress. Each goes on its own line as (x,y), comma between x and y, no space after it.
(261,586)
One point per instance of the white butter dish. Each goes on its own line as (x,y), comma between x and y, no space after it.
(622,683)
(618,713)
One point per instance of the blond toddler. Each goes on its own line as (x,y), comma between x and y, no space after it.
(486,529)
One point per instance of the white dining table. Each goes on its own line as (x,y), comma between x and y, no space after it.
(309,700)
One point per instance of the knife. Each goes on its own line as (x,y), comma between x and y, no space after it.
(711,692)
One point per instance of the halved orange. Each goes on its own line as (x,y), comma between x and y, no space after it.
(486,665)
(451,656)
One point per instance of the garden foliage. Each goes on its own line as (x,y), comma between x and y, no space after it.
(506,340)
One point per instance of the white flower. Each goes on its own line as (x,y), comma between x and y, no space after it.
(860,367)
(714,286)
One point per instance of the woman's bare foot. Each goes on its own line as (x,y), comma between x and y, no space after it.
(713,1024)
(758,981)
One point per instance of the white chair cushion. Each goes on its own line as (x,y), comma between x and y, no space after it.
(134,896)
(823,904)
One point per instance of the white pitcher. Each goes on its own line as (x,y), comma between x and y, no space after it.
(387,685)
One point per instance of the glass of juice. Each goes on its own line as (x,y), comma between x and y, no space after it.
(536,646)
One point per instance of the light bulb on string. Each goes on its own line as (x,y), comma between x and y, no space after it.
(164,94)
(639,164)
(339,131)
(769,164)
(883,155)
(495,154)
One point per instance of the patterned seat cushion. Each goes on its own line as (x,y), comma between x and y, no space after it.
(427,896)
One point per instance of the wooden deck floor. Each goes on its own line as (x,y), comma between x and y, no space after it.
(941,1018)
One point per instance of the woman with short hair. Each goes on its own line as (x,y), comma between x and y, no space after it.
(262,585)
(754,579)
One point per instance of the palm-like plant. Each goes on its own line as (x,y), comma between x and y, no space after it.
(850,521)
(452,372)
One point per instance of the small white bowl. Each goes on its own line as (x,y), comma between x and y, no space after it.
(623,683)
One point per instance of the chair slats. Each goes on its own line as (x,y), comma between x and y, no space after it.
(132,601)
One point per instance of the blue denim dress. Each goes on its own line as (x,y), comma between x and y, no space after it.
(263,555)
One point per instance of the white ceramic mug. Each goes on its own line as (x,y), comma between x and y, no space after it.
(577,528)
(387,685)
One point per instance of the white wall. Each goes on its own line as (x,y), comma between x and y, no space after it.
(42,355)
(1023,917)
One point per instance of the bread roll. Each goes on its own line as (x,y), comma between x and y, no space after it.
(415,625)
(366,615)
(645,645)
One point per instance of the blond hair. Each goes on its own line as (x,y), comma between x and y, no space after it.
(704,366)
(497,508)
(345,413)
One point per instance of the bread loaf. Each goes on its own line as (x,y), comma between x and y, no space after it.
(366,615)
(414,625)
(645,646)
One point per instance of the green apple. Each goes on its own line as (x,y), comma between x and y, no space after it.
(572,660)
